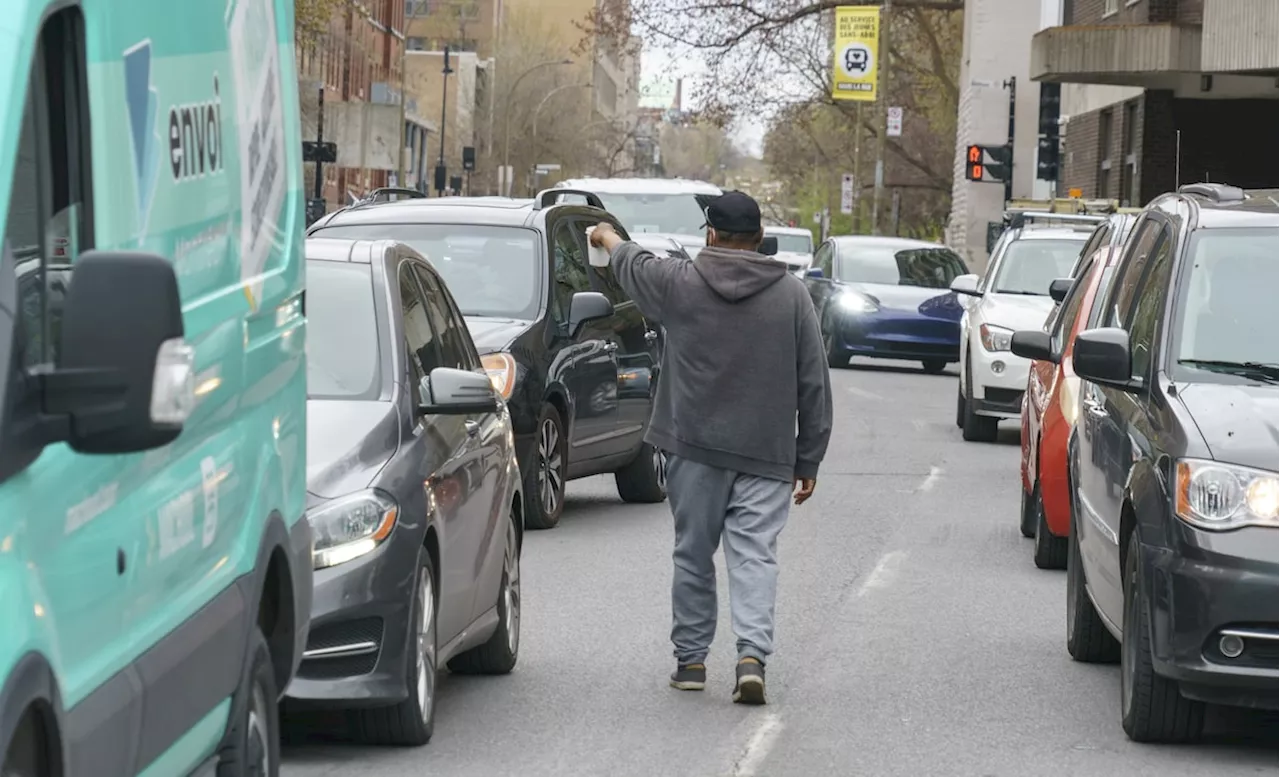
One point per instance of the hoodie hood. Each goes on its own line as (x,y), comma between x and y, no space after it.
(737,275)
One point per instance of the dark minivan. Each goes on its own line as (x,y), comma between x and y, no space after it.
(1172,558)
(572,355)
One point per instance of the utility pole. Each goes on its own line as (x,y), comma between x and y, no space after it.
(1012,86)
(318,152)
(857,169)
(319,187)
(882,112)
(404,111)
(444,103)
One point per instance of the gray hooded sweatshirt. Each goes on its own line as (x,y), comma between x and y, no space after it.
(743,360)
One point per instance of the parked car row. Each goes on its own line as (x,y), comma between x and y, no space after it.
(1149,466)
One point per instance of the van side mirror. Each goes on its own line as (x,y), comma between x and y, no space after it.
(1059,288)
(769,246)
(587,306)
(125,377)
(1030,344)
(966,284)
(814,272)
(447,391)
(1103,356)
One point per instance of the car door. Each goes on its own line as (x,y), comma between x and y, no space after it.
(637,340)
(586,362)
(443,446)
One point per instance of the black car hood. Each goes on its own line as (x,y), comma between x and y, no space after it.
(494,334)
(1238,423)
(348,443)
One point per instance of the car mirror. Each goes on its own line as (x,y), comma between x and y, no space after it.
(124,381)
(1103,356)
(966,284)
(587,306)
(1059,288)
(813,272)
(1033,345)
(447,391)
(769,246)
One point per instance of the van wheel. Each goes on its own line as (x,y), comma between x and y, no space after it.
(254,749)
(412,721)
(1050,551)
(500,653)
(974,427)
(644,480)
(1088,640)
(25,756)
(1152,708)
(544,483)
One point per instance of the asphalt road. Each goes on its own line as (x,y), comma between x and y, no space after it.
(915,637)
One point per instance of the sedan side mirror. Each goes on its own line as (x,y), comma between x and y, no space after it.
(1059,288)
(814,272)
(769,246)
(1103,356)
(1034,345)
(587,306)
(966,284)
(447,391)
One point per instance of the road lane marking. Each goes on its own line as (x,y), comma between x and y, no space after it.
(883,572)
(857,392)
(758,747)
(934,473)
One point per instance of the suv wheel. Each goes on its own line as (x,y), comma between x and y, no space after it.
(545,481)
(974,427)
(644,480)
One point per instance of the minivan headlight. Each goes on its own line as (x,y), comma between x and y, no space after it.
(1221,497)
(349,527)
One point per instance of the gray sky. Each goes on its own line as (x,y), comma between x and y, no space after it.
(658,85)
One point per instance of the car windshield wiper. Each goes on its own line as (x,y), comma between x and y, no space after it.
(1269,372)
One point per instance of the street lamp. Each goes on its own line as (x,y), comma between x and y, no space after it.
(506,142)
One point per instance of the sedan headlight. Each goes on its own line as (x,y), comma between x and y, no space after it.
(1220,497)
(995,338)
(853,302)
(350,527)
(502,372)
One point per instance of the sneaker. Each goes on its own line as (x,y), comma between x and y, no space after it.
(750,686)
(689,677)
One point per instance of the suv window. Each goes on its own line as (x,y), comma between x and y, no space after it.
(1144,322)
(420,339)
(602,278)
(569,271)
(1100,237)
(453,349)
(1070,309)
(1130,272)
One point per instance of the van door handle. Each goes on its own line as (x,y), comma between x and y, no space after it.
(650,336)
(473,427)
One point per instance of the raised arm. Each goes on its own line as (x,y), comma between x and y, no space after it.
(645,277)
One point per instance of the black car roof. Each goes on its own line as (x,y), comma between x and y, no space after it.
(480,211)
(1217,206)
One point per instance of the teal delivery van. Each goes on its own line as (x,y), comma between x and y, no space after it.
(155,563)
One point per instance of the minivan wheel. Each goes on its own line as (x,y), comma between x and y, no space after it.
(411,722)
(644,480)
(545,481)
(1152,708)
(499,654)
(254,744)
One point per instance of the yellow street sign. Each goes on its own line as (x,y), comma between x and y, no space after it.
(857,52)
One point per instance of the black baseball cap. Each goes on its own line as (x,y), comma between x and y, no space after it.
(734,213)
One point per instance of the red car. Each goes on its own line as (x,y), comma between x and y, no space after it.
(1050,404)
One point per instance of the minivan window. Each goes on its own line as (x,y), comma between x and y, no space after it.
(1227,302)
(490,270)
(342,332)
(1029,266)
(794,244)
(930,268)
(677,214)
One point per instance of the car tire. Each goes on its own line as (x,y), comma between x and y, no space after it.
(24,756)
(934,366)
(1027,515)
(1152,708)
(644,480)
(974,427)
(544,483)
(499,654)
(411,722)
(253,745)
(836,359)
(1088,640)
(1050,552)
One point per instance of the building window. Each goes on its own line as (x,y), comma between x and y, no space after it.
(1129,173)
(1110,7)
(417,44)
(417,7)
(1106,123)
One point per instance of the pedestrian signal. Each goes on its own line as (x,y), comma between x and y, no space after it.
(992,164)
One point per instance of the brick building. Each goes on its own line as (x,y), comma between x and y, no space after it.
(1157,93)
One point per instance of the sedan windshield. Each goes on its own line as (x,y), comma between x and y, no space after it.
(677,214)
(342,332)
(491,271)
(1228,302)
(930,268)
(795,244)
(1029,266)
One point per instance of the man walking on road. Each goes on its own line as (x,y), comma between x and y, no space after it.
(743,362)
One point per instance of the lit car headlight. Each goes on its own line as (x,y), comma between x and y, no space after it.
(350,527)
(853,302)
(995,338)
(502,372)
(1220,497)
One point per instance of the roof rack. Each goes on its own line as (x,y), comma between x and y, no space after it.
(1063,210)
(390,194)
(1217,192)
(548,197)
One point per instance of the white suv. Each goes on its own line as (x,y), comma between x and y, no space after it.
(669,206)
(1012,294)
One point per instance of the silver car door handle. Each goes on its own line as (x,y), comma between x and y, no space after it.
(610,347)
(1093,407)
(650,336)
(473,427)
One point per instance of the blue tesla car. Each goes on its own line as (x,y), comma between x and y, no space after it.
(887,297)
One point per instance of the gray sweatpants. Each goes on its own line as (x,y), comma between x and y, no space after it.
(750,512)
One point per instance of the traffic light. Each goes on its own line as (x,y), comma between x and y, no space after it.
(991,164)
(1050,112)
